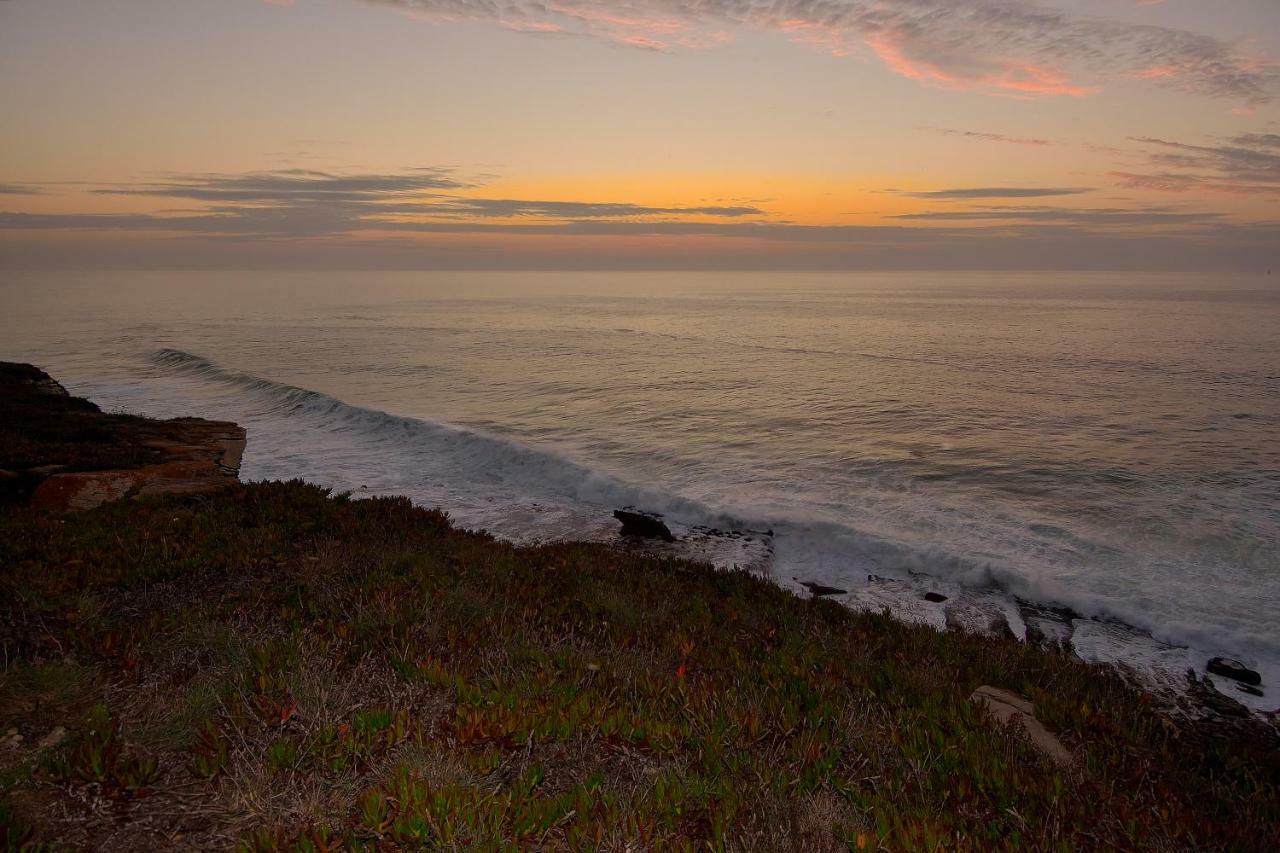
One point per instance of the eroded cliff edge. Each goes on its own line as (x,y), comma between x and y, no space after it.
(63,453)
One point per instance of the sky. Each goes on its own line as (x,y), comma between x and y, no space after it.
(640,134)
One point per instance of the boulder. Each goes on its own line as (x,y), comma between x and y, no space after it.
(643,525)
(1228,668)
(935,597)
(1005,708)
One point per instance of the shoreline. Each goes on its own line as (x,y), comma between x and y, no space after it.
(203,662)
(528,491)
(1185,687)
(1160,636)
(1183,684)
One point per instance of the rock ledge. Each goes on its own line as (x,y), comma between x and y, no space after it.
(64,454)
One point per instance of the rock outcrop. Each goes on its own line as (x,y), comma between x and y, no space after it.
(63,453)
(1228,668)
(818,590)
(1005,707)
(643,525)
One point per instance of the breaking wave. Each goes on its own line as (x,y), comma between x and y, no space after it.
(819,548)
(472,455)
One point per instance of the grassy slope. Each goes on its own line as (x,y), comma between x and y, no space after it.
(276,667)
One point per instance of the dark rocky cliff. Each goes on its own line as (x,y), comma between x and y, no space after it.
(62,452)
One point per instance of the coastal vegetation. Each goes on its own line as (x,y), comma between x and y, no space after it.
(271,666)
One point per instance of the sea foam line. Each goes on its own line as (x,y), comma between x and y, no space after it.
(803,544)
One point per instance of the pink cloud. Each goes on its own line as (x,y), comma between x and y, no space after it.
(1017,77)
(1014,48)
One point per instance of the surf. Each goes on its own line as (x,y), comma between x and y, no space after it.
(473,462)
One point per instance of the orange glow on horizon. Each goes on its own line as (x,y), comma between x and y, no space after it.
(800,199)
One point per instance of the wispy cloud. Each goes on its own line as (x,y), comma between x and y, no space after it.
(304,203)
(1029,223)
(1102,217)
(1014,47)
(1258,140)
(18,189)
(617,244)
(1248,164)
(987,136)
(970,193)
(431,218)
(294,185)
(509,208)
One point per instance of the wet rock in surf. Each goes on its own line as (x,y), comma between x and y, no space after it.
(818,590)
(981,616)
(1047,626)
(643,525)
(726,548)
(935,597)
(1228,668)
(1204,694)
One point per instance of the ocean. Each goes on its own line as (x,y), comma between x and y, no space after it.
(1094,457)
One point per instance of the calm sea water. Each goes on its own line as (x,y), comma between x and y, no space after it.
(1109,442)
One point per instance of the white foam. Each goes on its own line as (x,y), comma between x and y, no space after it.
(529,494)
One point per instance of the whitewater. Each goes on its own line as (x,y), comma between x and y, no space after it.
(1093,455)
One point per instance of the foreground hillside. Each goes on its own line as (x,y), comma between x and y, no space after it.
(273,667)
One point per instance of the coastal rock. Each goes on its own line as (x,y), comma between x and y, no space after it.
(1204,694)
(935,597)
(1048,627)
(78,492)
(207,459)
(33,378)
(1228,668)
(1006,707)
(818,590)
(643,525)
(726,548)
(69,455)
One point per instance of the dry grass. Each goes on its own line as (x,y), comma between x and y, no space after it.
(275,667)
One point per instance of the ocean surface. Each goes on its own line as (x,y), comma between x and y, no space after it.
(1104,444)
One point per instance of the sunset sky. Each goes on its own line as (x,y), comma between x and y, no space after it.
(806,134)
